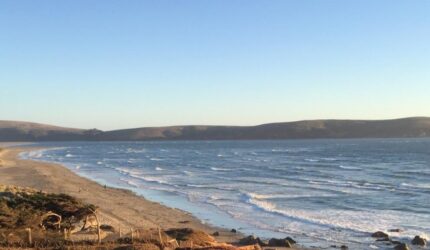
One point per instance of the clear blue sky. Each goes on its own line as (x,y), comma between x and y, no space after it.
(116,64)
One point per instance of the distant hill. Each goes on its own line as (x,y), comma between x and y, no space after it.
(312,129)
(29,131)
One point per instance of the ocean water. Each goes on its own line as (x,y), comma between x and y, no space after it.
(320,192)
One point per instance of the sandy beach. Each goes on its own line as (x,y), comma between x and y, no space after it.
(116,206)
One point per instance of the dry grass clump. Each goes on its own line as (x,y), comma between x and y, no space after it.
(25,208)
(191,237)
(31,217)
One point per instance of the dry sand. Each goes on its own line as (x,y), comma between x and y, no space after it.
(117,207)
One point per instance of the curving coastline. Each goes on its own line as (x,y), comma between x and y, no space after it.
(117,206)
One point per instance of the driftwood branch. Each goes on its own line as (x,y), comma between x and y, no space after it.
(56,223)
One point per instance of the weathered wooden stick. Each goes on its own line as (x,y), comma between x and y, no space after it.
(132,235)
(30,240)
(98,226)
(56,223)
(159,235)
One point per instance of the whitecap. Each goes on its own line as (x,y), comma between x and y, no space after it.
(135,151)
(129,182)
(155,159)
(416,185)
(150,179)
(220,169)
(349,167)
(189,173)
(259,196)
(329,159)
(197,185)
(290,150)
(312,160)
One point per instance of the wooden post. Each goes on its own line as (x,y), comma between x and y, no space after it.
(98,226)
(120,233)
(98,233)
(159,235)
(30,240)
(65,233)
(132,235)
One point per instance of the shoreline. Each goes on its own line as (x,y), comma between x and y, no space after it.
(120,207)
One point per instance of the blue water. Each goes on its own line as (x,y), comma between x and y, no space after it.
(321,192)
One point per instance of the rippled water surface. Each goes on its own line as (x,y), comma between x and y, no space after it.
(322,192)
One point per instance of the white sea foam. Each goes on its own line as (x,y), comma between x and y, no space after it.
(188,173)
(278,150)
(197,185)
(220,169)
(158,169)
(287,196)
(155,159)
(329,159)
(129,182)
(269,196)
(127,171)
(349,167)
(359,221)
(416,185)
(311,160)
(290,150)
(69,155)
(135,151)
(149,178)
(139,175)
(40,153)
(35,154)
